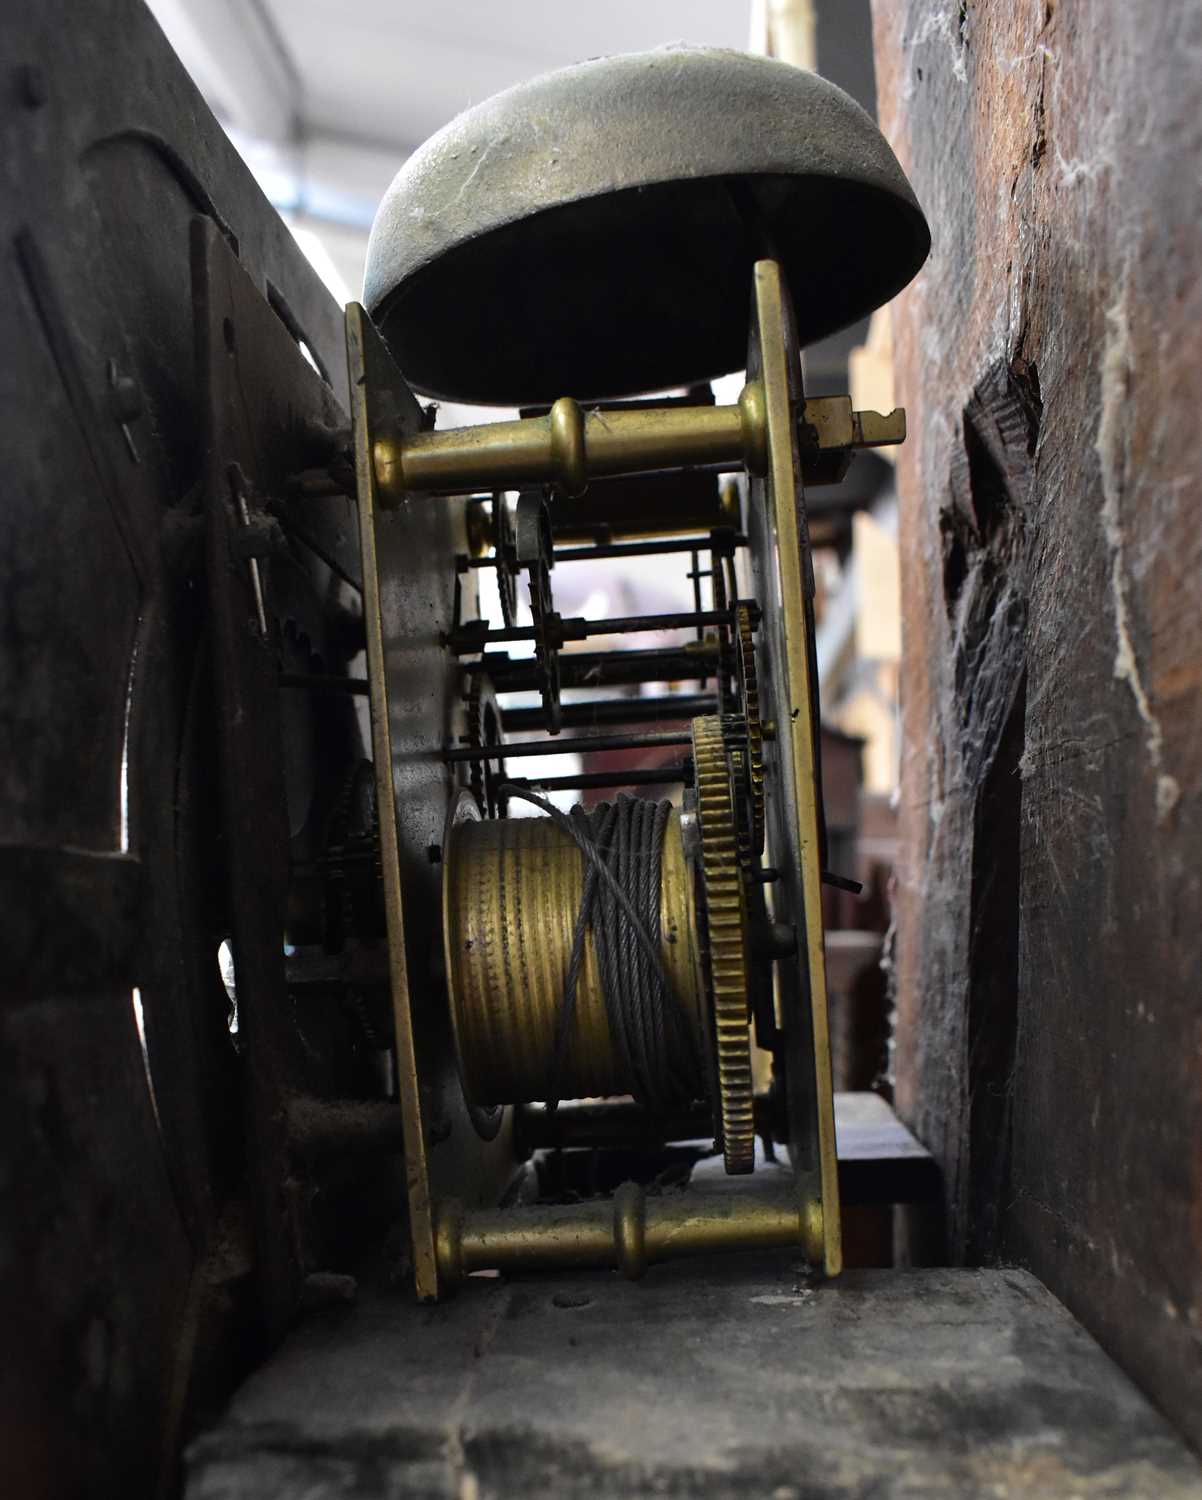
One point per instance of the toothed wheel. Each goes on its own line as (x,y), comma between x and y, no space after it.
(535,553)
(505,548)
(726,927)
(484,730)
(750,704)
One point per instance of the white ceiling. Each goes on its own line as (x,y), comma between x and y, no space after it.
(395,71)
(325,101)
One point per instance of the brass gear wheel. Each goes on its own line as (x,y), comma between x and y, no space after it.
(484,730)
(535,552)
(726,925)
(504,547)
(750,694)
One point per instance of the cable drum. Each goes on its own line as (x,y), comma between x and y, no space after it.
(572,955)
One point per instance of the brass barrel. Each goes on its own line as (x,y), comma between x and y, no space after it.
(512,889)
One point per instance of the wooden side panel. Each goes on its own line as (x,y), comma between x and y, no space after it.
(122,1268)
(1050,947)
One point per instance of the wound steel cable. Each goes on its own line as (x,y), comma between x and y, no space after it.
(622,845)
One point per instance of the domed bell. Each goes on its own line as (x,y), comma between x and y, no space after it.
(591,232)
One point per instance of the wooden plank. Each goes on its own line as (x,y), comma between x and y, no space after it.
(263,405)
(1049,951)
(715,1380)
(120,1257)
(71,920)
(880,1161)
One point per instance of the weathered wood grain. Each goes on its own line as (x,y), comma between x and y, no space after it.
(1050,929)
(717,1379)
(123,1272)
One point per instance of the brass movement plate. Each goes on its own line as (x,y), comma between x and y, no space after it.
(783,586)
(408,553)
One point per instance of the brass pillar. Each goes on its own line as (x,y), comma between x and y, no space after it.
(630,1231)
